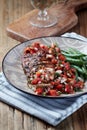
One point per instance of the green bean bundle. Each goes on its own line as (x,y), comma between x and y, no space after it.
(78,60)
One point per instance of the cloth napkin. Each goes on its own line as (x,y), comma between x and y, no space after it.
(52,111)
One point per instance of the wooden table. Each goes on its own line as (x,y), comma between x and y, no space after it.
(11,118)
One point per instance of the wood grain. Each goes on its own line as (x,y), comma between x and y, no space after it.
(22,30)
(11,118)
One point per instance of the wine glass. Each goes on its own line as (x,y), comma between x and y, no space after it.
(43,18)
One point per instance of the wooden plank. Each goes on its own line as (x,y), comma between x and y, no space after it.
(18,120)
(10,118)
(3,116)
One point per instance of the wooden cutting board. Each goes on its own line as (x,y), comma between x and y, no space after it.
(22,30)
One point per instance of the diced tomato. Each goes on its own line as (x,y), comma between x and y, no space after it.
(52,92)
(38,74)
(39,90)
(44,47)
(32,51)
(56,82)
(53,83)
(27,50)
(71,80)
(54,61)
(79,84)
(59,87)
(73,70)
(59,68)
(67,66)
(61,57)
(36,44)
(68,89)
(35,81)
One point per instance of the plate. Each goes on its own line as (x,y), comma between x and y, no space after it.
(13,70)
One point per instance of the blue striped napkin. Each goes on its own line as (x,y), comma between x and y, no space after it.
(52,111)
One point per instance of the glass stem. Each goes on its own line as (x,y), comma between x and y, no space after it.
(43,15)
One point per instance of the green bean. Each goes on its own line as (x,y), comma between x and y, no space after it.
(78,69)
(86,66)
(82,76)
(76,51)
(77,75)
(84,69)
(78,60)
(70,50)
(72,55)
(74,61)
(84,58)
(79,72)
(65,51)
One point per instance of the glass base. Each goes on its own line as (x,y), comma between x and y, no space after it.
(43,22)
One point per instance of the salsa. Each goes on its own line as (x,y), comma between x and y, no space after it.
(48,72)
